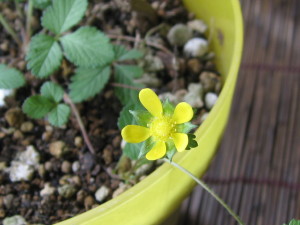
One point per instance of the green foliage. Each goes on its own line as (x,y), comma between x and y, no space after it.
(122,54)
(41,4)
(192,142)
(10,78)
(63,14)
(87,82)
(52,91)
(294,222)
(59,115)
(48,103)
(87,47)
(125,74)
(44,56)
(37,106)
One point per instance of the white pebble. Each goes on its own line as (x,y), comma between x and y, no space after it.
(196,47)
(75,166)
(101,193)
(194,95)
(47,190)
(30,156)
(20,171)
(210,99)
(3,94)
(14,220)
(197,25)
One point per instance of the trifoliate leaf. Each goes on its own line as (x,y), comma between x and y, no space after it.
(10,78)
(52,91)
(185,127)
(41,4)
(87,82)
(37,106)
(121,53)
(126,115)
(59,115)
(87,47)
(125,76)
(63,14)
(44,55)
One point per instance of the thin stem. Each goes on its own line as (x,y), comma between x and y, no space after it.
(28,20)
(18,8)
(10,31)
(210,191)
(87,141)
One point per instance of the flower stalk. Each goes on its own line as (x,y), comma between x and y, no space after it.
(207,188)
(10,31)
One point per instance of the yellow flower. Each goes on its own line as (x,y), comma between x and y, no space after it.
(162,127)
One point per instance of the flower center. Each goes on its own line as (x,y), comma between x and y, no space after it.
(161,128)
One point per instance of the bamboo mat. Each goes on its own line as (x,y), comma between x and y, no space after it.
(257,168)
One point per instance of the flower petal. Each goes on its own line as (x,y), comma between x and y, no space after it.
(157,152)
(151,102)
(180,140)
(135,134)
(183,113)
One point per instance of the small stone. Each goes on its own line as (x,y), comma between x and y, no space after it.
(14,117)
(210,99)
(66,167)
(89,202)
(122,187)
(87,161)
(142,170)
(30,156)
(7,201)
(2,166)
(4,93)
(203,117)
(26,127)
(197,25)
(194,66)
(66,191)
(149,80)
(80,196)
(18,135)
(194,95)
(2,213)
(76,180)
(78,141)
(101,193)
(179,34)
(48,166)
(75,166)
(152,63)
(168,95)
(14,220)
(47,190)
(108,154)
(41,170)
(46,136)
(210,81)
(66,179)
(116,141)
(20,171)
(58,148)
(196,47)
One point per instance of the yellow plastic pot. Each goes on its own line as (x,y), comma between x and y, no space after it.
(157,196)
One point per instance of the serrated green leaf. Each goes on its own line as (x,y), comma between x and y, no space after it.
(146,147)
(185,127)
(87,47)
(192,142)
(37,106)
(52,91)
(63,14)
(168,108)
(87,82)
(142,117)
(126,115)
(44,55)
(171,150)
(41,4)
(121,53)
(59,115)
(124,76)
(10,78)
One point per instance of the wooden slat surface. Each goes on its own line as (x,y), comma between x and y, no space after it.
(257,168)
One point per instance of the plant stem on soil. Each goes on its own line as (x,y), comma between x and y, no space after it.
(10,30)
(28,21)
(208,189)
(87,141)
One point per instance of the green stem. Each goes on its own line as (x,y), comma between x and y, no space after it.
(210,191)
(28,20)
(18,8)
(10,31)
